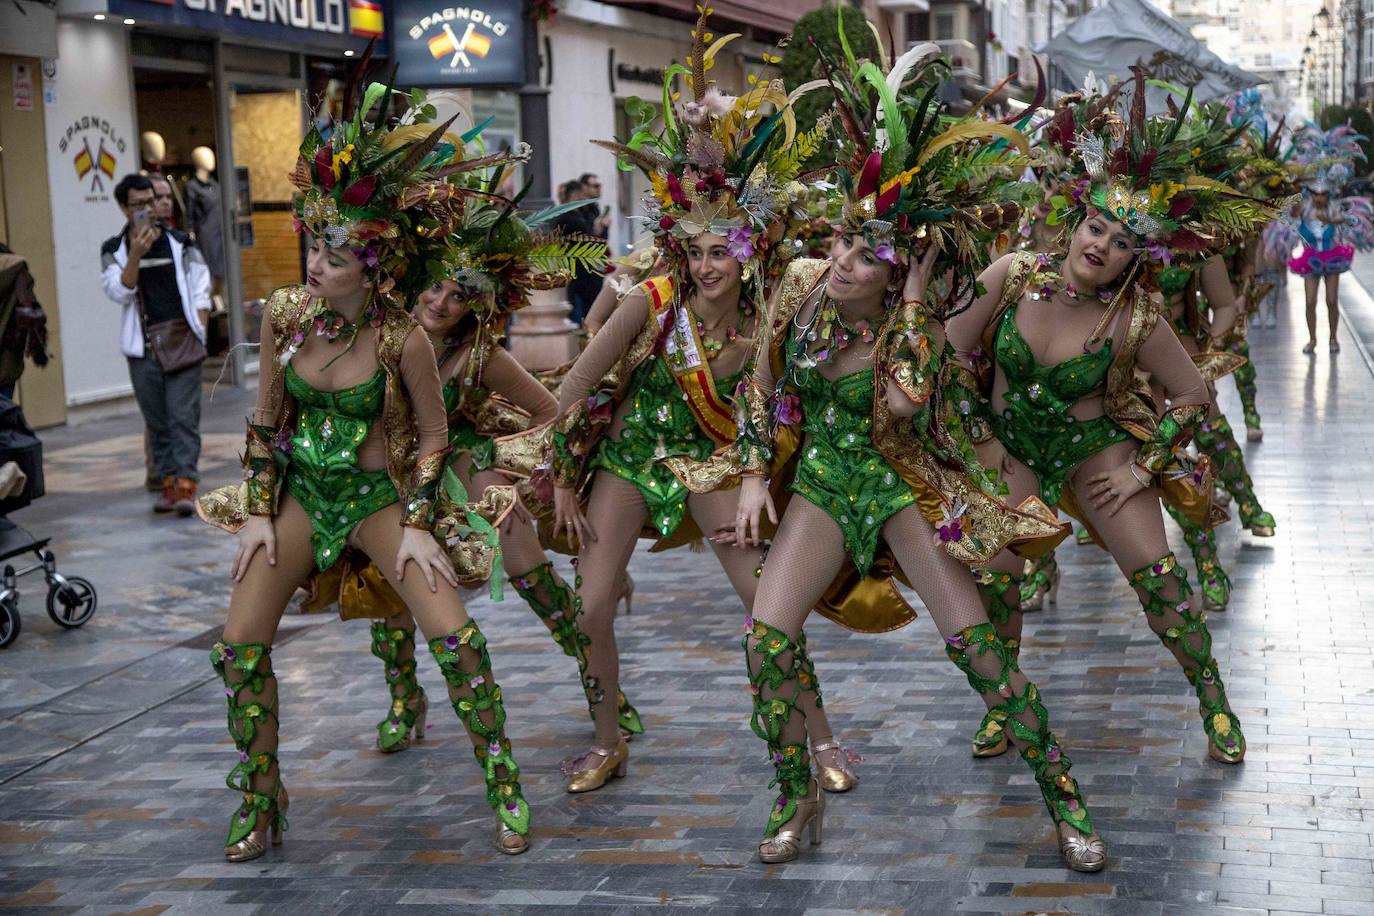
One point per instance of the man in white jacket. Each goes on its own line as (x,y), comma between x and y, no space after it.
(154,270)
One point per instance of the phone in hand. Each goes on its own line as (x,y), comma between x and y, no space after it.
(142,219)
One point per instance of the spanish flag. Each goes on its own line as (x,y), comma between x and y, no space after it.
(478,44)
(441,45)
(107,162)
(365,18)
(83,163)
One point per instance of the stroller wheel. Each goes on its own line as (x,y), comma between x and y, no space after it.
(71,601)
(9,622)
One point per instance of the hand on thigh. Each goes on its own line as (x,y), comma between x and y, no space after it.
(258,600)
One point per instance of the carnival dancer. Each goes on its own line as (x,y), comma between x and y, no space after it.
(661,378)
(1057,346)
(847,410)
(493,259)
(1330,225)
(345,450)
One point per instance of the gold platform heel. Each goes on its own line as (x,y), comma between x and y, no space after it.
(837,779)
(254,845)
(614,763)
(785,845)
(1082,853)
(510,843)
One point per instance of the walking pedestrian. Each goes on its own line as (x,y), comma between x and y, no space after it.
(163,284)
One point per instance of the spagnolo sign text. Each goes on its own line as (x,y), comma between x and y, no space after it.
(473,14)
(319,15)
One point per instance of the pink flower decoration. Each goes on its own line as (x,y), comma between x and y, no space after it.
(787,410)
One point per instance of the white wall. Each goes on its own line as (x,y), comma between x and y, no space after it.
(91,86)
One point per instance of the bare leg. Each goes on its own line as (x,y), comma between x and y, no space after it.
(1135,538)
(1309,288)
(1333,308)
(243,659)
(459,648)
(616,513)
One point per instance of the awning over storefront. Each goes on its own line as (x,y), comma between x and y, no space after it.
(1110,40)
(303,25)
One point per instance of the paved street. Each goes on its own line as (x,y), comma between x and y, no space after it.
(113,749)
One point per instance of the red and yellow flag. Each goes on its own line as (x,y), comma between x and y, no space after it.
(82,162)
(107,162)
(441,45)
(478,44)
(365,18)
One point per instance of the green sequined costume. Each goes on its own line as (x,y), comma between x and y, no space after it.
(1216,439)
(840,470)
(462,432)
(658,423)
(1035,426)
(323,474)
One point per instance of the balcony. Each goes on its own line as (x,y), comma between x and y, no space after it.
(963,55)
(770,15)
(904,6)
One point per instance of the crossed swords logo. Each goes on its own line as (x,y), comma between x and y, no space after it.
(460,45)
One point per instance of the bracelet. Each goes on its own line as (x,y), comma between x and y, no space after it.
(1145,484)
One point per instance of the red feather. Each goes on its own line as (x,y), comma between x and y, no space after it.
(1138,103)
(887,198)
(1142,169)
(324,167)
(1061,129)
(1180,206)
(868,178)
(360,191)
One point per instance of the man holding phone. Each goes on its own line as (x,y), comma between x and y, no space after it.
(160,278)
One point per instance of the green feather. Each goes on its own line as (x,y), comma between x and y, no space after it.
(477,130)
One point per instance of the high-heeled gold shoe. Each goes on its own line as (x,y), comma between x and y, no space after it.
(785,845)
(254,845)
(416,731)
(1047,595)
(614,762)
(1082,853)
(509,842)
(836,779)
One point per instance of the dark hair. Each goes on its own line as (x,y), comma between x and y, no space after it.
(586,177)
(132,182)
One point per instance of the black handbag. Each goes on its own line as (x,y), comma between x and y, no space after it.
(19,444)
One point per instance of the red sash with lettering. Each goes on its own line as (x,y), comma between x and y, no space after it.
(683,350)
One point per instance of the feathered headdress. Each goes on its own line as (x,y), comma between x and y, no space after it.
(387,190)
(499,252)
(1327,157)
(910,172)
(719,164)
(1152,177)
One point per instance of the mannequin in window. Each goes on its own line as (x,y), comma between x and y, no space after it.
(202,211)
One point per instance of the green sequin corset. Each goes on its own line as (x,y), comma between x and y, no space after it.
(323,473)
(1036,426)
(659,423)
(462,432)
(840,469)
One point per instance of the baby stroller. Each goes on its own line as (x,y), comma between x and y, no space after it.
(71,599)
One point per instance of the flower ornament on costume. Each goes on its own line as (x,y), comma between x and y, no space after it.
(720,164)
(911,173)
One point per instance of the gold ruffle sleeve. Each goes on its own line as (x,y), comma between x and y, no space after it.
(1217,364)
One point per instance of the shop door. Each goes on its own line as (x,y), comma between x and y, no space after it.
(266,125)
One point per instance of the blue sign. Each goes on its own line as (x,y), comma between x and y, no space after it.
(341,24)
(434,45)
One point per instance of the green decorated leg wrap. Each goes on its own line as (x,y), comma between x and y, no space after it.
(1164,592)
(566,605)
(992,671)
(1245,385)
(1211,577)
(251,690)
(1216,439)
(1041,579)
(780,674)
(394,644)
(1002,598)
(466,666)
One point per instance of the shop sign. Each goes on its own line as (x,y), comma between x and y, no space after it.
(94,148)
(458,45)
(22,80)
(329,23)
